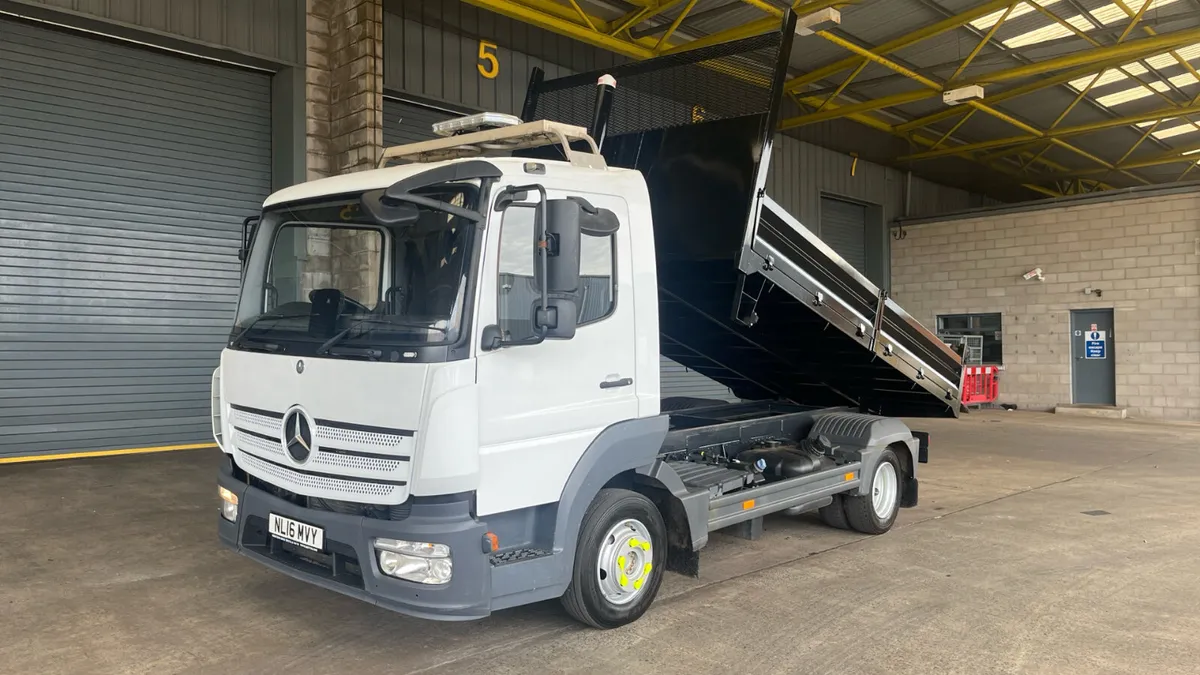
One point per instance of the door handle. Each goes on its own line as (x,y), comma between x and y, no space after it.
(612,384)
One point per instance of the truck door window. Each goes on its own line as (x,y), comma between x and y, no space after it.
(518,291)
(597,288)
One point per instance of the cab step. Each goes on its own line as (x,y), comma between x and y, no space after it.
(517,555)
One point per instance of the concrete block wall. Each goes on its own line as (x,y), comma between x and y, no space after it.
(1142,253)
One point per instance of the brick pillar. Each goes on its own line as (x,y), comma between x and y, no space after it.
(344,114)
(344,96)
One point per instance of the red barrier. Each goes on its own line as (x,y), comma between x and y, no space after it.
(979,385)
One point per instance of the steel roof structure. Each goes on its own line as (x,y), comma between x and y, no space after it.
(1079,95)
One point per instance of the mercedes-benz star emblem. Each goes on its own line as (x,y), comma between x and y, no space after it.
(299,366)
(298,435)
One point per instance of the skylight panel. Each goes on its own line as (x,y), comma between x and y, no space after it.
(1106,15)
(987,21)
(1164,134)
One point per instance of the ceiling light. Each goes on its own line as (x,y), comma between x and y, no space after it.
(962,94)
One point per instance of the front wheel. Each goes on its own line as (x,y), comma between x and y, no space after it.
(619,560)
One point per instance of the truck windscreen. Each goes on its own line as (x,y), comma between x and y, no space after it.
(320,271)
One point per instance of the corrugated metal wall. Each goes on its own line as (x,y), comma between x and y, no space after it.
(124,176)
(405,122)
(271,29)
(844,228)
(431,49)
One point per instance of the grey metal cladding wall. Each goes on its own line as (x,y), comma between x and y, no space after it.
(431,49)
(125,176)
(272,29)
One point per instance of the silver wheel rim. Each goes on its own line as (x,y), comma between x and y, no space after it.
(625,562)
(884,489)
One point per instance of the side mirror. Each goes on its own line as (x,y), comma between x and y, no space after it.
(493,339)
(558,319)
(563,220)
(249,227)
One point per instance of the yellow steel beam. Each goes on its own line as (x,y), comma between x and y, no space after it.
(987,37)
(666,36)
(1178,59)
(766,7)
(1179,155)
(1089,62)
(920,139)
(757,27)
(540,13)
(948,24)
(1136,18)
(583,15)
(1126,50)
(1029,88)
(637,16)
(950,132)
(560,11)
(1095,43)
(1062,132)
(845,83)
(936,88)
(865,106)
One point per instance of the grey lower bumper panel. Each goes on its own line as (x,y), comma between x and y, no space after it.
(348,565)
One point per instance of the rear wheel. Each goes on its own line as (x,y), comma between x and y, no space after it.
(834,515)
(618,561)
(875,512)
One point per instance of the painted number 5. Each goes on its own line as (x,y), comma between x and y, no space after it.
(489,65)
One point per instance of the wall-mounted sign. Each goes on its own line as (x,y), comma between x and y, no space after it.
(489,65)
(1095,344)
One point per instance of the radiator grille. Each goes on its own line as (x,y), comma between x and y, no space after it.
(319,486)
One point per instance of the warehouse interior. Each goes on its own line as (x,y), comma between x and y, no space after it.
(137,135)
(1017,174)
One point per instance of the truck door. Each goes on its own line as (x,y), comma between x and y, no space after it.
(541,405)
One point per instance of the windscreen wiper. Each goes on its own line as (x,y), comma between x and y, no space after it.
(236,341)
(384,207)
(372,353)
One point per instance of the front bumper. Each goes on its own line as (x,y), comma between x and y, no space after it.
(348,563)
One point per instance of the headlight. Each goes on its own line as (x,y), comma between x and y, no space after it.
(229,504)
(422,562)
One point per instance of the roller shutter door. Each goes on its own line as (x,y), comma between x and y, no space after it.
(405,122)
(677,380)
(124,176)
(844,228)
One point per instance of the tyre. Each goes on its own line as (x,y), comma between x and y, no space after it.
(874,512)
(834,515)
(619,560)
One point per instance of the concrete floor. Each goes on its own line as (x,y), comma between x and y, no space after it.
(112,566)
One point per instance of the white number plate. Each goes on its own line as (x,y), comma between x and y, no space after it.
(308,536)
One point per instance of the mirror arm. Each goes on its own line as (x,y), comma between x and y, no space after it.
(544,254)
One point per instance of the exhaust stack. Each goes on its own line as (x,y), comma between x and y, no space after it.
(606,86)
